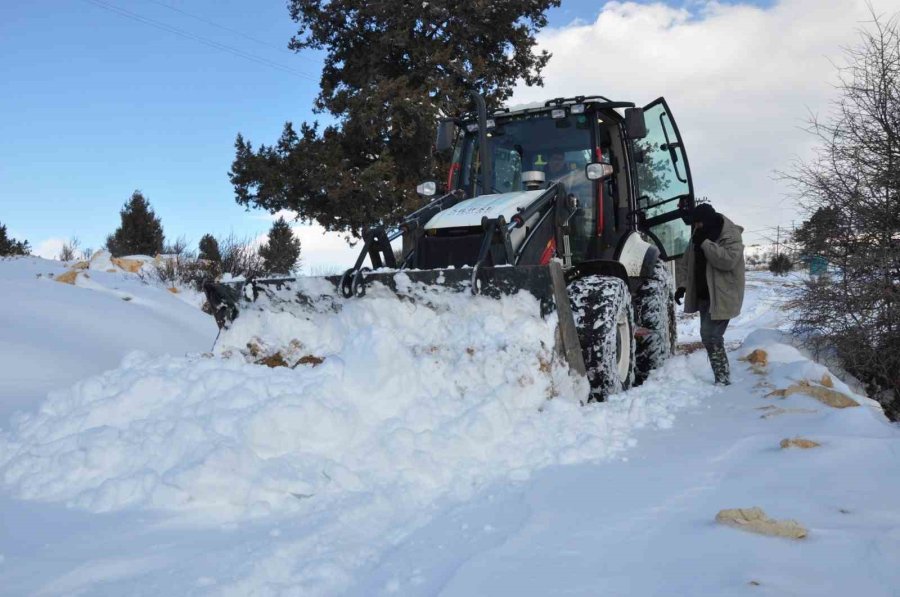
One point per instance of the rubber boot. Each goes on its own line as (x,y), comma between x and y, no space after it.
(718,358)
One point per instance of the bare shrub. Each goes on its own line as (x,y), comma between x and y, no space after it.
(852,184)
(240,257)
(180,271)
(69,250)
(178,247)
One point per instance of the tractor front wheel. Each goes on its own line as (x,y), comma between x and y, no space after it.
(654,311)
(601,306)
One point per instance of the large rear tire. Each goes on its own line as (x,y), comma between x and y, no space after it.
(604,320)
(654,310)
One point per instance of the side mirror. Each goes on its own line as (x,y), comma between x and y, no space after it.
(427,188)
(598,170)
(635,127)
(445,134)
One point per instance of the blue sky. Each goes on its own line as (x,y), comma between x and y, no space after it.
(94,104)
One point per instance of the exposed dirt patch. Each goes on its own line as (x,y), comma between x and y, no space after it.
(799,442)
(758,357)
(755,520)
(68,277)
(823,394)
(273,360)
(310,360)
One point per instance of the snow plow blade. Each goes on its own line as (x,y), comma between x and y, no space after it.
(227,300)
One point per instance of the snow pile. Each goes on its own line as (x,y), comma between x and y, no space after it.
(410,402)
(53,334)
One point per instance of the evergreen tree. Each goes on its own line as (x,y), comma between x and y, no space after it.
(816,234)
(209,249)
(281,253)
(780,264)
(391,70)
(140,232)
(11,246)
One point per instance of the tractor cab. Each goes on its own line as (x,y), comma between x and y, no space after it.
(644,183)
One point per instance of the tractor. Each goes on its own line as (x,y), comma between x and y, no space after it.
(580,201)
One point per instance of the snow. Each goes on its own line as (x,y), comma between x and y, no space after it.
(407,464)
(54,334)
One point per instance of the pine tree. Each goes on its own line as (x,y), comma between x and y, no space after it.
(140,232)
(209,249)
(391,70)
(11,246)
(281,253)
(816,234)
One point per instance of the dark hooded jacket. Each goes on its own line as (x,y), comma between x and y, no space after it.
(724,271)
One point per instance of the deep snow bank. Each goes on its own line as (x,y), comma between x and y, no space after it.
(412,401)
(53,334)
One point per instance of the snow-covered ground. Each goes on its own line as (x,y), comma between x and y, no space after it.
(420,457)
(53,334)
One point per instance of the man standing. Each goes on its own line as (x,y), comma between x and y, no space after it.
(710,278)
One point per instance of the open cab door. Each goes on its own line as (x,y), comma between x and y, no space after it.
(664,182)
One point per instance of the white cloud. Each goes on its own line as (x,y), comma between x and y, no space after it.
(741,81)
(49,248)
(324,252)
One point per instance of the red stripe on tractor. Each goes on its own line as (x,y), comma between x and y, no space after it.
(600,208)
(549,250)
(599,196)
(454,167)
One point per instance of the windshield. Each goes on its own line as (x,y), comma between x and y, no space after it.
(557,147)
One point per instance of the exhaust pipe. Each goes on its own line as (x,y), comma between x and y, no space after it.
(487,164)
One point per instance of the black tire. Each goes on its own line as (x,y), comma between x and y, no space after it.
(654,310)
(604,320)
(673,326)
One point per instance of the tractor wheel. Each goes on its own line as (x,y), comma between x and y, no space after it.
(654,310)
(603,315)
(673,326)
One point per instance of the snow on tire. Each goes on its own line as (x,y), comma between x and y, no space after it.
(604,319)
(654,310)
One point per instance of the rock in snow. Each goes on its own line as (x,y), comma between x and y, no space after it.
(756,520)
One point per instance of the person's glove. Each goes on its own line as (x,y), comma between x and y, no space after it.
(679,294)
(698,238)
